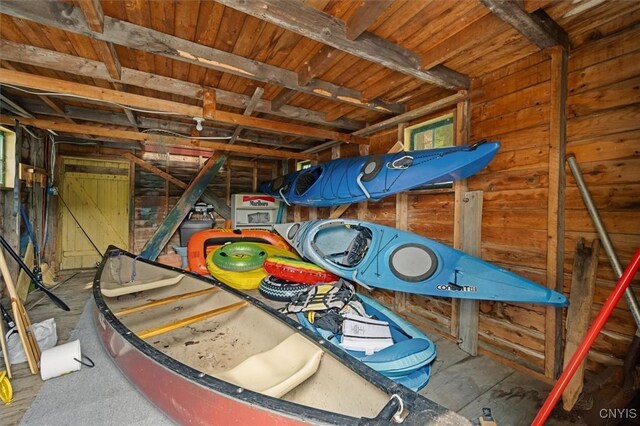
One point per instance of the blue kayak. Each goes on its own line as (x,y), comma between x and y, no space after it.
(354,179)
(382,257)
(407,361)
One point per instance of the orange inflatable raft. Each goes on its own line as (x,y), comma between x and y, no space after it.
(203,242)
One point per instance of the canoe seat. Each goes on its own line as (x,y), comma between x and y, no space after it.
(276,371)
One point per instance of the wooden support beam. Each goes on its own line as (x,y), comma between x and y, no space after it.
(555,207)
(57,61)
(415,113)
(44,99)
(107,52)
(93,14)
(462,120)
(153,139)
(161,105)
(191,194)
(317,65)
(282,98)
(317,25)
(537,27)
(67,17)
(364,16)
(209,103)
(583,284)
(471,243)
(255,98)
(208,197)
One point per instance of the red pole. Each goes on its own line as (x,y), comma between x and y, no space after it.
(586,343)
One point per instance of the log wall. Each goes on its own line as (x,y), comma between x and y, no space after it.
(603,132)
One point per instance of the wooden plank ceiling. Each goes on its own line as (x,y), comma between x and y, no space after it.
(286,75)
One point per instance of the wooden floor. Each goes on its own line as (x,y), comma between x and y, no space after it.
(460,382)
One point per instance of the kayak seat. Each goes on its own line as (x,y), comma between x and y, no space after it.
(357,249)
(278,370)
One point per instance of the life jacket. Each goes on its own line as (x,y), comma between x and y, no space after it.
(325,304)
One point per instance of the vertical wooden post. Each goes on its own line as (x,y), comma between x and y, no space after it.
(583,283)
(228,184)
(313,211)
(209,103)
(402,222)
(460,188)
(132,206)
(163,234)
(555,208)
(254,178)
(363,206)
(472,230)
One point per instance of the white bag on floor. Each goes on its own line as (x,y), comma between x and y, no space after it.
(46,336)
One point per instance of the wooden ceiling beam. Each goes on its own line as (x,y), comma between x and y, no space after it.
(257,94)
(31,55)
(317,65)
(282,98)
(46,100)
(537,27)
(93,13)
(153,139)
(117,119)
(67,17)
(317,25)
(365,16)
(167,107)
(415,113)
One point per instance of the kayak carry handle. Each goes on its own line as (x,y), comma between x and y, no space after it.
(359,182)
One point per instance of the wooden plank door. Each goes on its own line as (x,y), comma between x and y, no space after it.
(97,193)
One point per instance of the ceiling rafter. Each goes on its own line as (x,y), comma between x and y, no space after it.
(324,28)
(257,94)
(94,15)
(67,17)
(537,27)
(153,139)
(31,55)
(55,107)
(118,119)
(170,107)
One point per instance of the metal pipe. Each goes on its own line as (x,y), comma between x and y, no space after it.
(604,237)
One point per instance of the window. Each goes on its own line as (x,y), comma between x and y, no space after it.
(436,133)
(301,165)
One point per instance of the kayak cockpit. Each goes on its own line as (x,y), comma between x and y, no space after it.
(307,179)
(343,245)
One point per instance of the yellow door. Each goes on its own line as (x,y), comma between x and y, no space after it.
(96,193)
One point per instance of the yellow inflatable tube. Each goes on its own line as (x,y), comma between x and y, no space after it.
(248,280)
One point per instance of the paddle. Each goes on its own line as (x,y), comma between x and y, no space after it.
(35,280)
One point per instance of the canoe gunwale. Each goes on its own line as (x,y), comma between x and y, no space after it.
(419,405)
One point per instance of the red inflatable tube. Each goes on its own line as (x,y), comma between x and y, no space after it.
(297,271)
(203,242)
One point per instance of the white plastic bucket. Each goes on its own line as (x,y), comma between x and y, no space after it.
(60,360)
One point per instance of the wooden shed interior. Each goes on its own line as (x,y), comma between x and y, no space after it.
(124,103)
